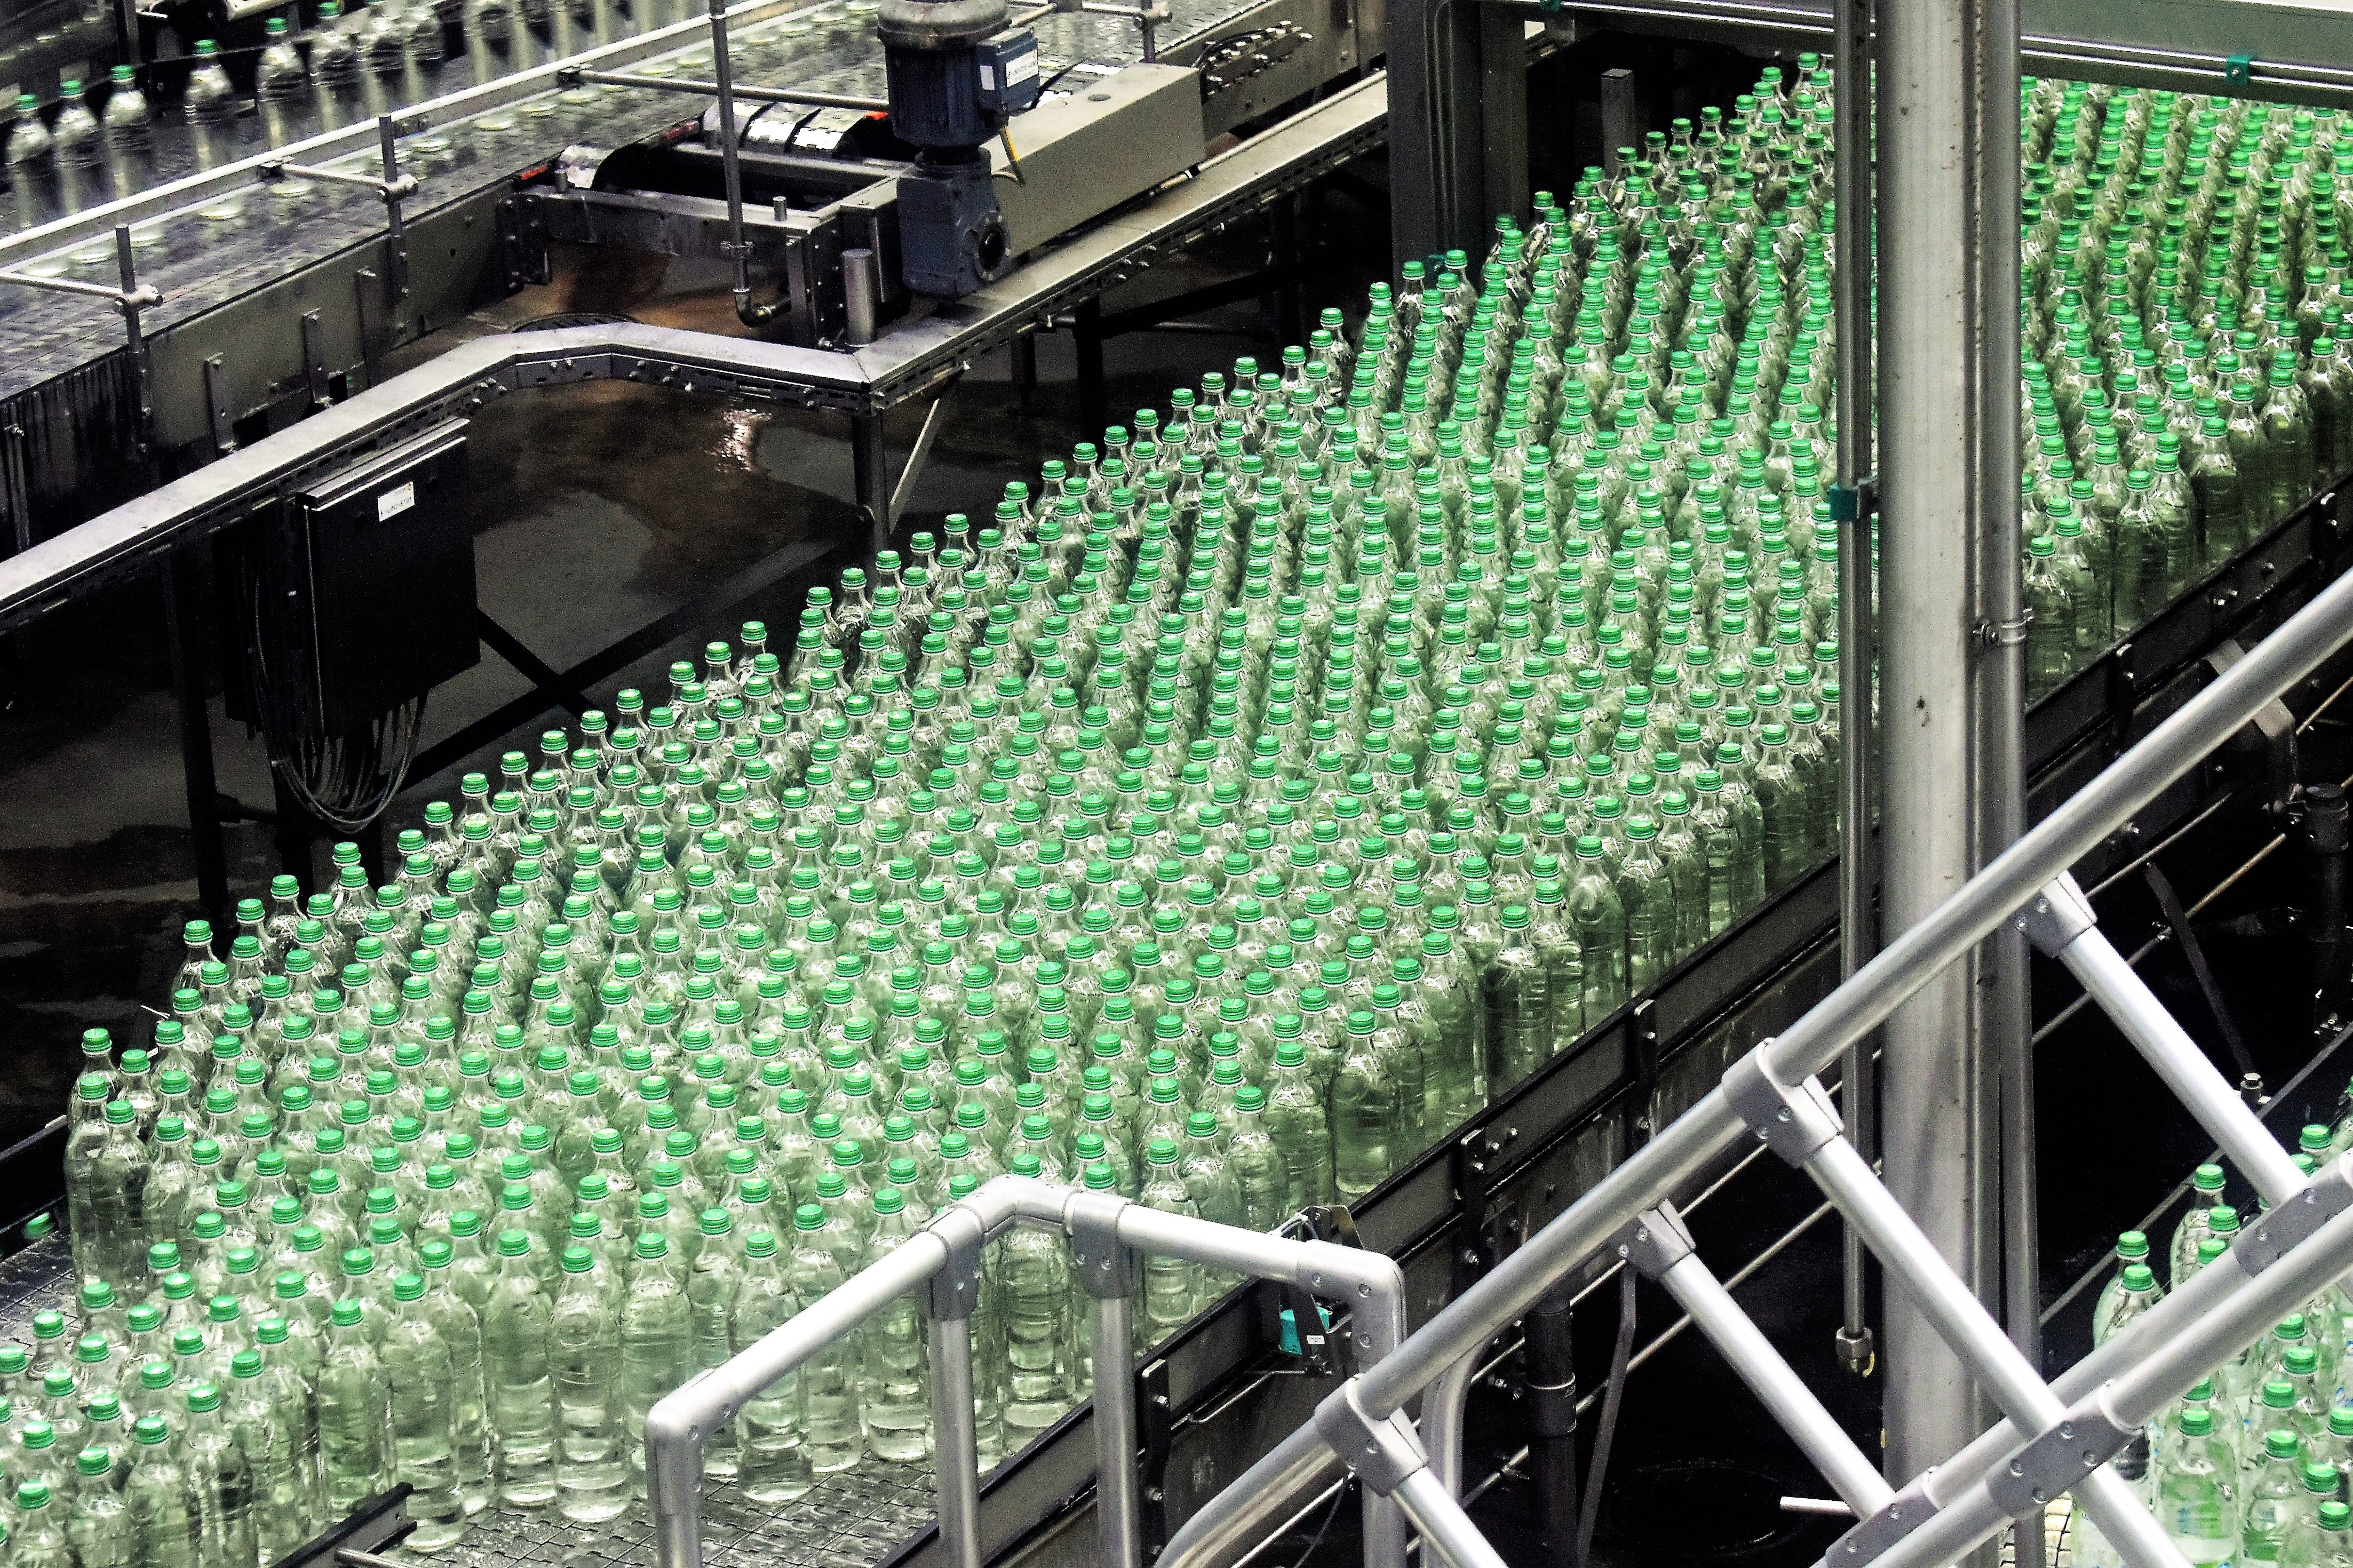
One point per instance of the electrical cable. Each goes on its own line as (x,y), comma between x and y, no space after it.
(1606,1433)
(1316,1540)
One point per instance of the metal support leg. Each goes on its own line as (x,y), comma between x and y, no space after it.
(1086,338)
(958,1454)
(1025,371)
(1621,119)
(870,461)
(183,630)
(1552,1420)
(1119,1509)
(1859,750)
(1290,318)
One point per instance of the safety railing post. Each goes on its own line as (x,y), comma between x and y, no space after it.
(1106,1270)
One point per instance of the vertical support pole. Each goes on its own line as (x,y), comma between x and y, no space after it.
(1858,629)
(142,370)
(1621,120)
(738,248)
(1501,106)
(870,462)
(184,630)
(958,1464)
(1087,338)
(1436,71)
(2008,1003)
(1936,1142)
(1025,371)
(1282,219)
(396,249)
(1119,1509)
(1552,1441)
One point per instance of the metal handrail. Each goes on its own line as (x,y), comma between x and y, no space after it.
(941,1262)
(1782,1070)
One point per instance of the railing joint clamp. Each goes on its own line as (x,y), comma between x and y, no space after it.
(2283,1225)
(1906,1512)
(1102,1259)
(954,1292)
(1656,1241)
(2057,917)
(1382,1453)
(1794,1121)
(2056,1459)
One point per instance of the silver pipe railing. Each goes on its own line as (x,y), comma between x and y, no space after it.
(1771,1094)
(941,1264)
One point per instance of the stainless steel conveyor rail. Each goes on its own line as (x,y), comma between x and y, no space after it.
(2057,1437)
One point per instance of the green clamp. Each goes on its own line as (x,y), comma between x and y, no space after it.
(1845,502)
(2238,70)
(1548,6)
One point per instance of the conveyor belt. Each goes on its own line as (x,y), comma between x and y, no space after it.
(217,249)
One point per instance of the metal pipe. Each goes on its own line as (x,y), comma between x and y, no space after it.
(1936,1131)
(676,1425)
(1851,313)
(1441,1420)
(731,165)
(1256,1501)
(862,296)
(2008,1003)
(1119,1508)
(1861,1004)
(1917,1270)
(395,187)
(1784,1395)
(959,1463)
(75,286)
(2237,1130)
(1442,1523)
(2138,1393)
(807,100)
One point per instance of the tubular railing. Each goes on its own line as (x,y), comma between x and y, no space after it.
(2055,1437)
(941,1263)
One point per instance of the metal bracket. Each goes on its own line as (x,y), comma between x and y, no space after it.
(2322,1199)
(314,360)
(1096,1250)
(1905,1512)
(2238,70)
(1656,1241)
(1157,1427)
(2002,634)
(1382,1453)
(1793,1121)
(223,428)
(954,1291)
(2056,1459)
(1850,503)
(2058,916)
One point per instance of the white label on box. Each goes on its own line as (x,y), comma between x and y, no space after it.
(395,501)
(1021,67)
(988,77)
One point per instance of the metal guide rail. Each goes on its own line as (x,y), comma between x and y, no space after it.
(2057,1437)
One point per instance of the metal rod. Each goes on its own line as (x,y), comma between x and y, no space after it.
(2138,1393)
(1919,1270)
(72,285)
(904,490)
(1443,1524)
(1828,1507)
(2193,1080)
(869,469)
(1784,1395)
(738,248)
(862,296)
(1858,751)
(1119,1507)
(1441,1420)
(958,1462)
(750,94)
(133,300)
